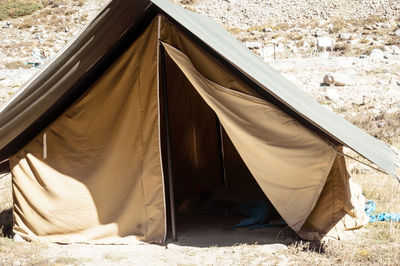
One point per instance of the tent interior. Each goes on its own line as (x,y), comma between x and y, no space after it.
(210,180)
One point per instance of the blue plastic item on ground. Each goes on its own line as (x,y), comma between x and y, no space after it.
(370,207)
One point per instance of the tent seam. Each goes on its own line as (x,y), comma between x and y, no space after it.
(141,139)
(159,126)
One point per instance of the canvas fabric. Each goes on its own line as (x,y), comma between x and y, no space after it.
(340,208)
(289,161)
(95,174)
(101,180)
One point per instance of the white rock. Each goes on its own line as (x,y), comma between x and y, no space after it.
(268,51)
(395,50)
(375,111)
(339,79)
(266,29)
(281,39)
(271,248)
(377,53)
(18,238)
(394,92)
(353,42)
(332,94)
(393,110)
(345,36)
(397,32)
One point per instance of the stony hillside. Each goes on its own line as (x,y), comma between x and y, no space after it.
(242,13)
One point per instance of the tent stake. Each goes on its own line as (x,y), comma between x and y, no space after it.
(168,142)
(221,151)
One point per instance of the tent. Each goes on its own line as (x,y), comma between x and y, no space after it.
(152,103)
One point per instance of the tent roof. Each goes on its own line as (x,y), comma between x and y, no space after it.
(52,89)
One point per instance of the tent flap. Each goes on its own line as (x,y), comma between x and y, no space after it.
(289,161)
(233,52)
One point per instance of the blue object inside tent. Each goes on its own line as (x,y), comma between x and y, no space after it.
(258,214)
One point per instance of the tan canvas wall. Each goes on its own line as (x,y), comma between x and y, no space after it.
(101,180)
(340,207)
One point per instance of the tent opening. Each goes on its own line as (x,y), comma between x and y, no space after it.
(211,184)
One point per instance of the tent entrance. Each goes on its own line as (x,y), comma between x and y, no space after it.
(210,180)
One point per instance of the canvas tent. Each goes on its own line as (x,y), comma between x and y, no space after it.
(151,101)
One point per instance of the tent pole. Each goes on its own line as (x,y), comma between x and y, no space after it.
(221,151)
(168,141)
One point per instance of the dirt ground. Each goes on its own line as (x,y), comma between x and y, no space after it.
(210,240)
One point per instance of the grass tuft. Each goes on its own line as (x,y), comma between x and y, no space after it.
(18,8)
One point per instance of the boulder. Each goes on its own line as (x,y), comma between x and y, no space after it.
(338,79)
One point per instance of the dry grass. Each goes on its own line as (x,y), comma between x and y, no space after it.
(18,8)
(188,2)
(378,243)
(385,126)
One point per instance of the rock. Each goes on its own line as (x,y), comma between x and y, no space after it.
(18,238)
(281,39)
(395,50)
(271,248)
(393,110)
(397,32)
(338,79)
(266,29)
(377,53)
(375,112)
(330,28)
(320,33)
(345,36)
(6,25)
(16,263)
(332,94)
(253,45)
(394,92)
